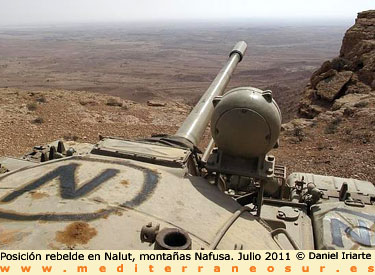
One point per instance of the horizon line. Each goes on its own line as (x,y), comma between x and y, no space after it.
(254,20)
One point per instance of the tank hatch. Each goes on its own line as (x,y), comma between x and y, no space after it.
(142,151)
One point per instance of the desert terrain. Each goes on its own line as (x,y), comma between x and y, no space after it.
(76,82)
(170,62)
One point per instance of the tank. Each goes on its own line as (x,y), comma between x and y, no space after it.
(163,193)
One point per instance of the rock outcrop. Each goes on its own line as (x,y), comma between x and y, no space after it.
(335,131)
(352,72)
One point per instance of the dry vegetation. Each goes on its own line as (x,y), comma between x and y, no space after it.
(79,116)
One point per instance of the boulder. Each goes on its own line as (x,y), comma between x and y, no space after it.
(324,71)
(310,110)
(156,103)
(358,88)
(330,87)
(350,100)
(298,123)
(114,102)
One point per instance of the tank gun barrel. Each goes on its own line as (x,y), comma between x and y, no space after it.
(195,124)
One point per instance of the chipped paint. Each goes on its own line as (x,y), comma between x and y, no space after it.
(38,195)
(8,237)
(125,183)
(76,233)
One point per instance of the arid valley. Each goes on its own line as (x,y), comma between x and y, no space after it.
(134,80)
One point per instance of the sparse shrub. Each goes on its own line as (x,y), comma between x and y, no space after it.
(85,102)
(361,104)
(70,137)
(348,112)
(114,102)
(367,138)
(41,99)
(38,120)
(320,146)
(339,63)
(364,137)
(336,121)
(298,132)
(31,106)
(332,126)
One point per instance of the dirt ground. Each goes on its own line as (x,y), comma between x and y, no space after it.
(342,152)
(32,118)
(163,61)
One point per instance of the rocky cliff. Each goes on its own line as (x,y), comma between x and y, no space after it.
(335,134)
(348,77)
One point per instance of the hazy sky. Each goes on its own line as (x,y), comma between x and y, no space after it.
(70,11)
